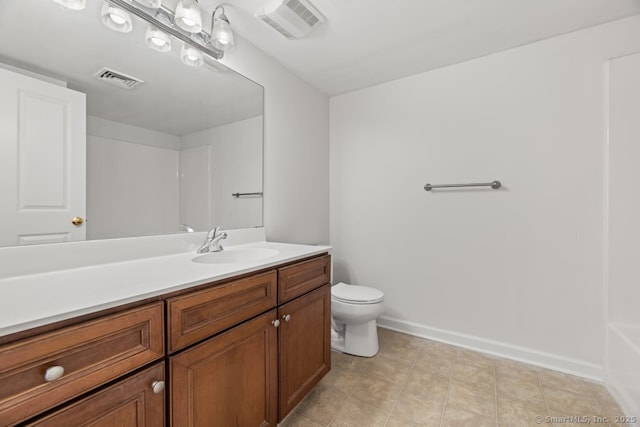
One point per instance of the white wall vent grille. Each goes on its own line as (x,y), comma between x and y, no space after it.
(117,78)
(293,19)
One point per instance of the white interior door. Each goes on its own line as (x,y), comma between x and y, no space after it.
(42,161)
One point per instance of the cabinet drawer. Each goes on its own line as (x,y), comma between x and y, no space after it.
(90,353)
(129,403)
(199,315)
(303,277)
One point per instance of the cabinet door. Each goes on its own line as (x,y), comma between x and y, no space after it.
(228,380)
(305,346)
(133,402)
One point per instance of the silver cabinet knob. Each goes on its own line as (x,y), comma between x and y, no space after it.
(275,323)
(286,317)
(53,373)
(157,387)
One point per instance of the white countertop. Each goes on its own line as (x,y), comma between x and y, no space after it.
(33,300)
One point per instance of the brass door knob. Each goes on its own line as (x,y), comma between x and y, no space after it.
(77,220)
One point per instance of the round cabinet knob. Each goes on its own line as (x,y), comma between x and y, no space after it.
(286,317)
(77,220)
(53,373)
(157,387)
(275,323)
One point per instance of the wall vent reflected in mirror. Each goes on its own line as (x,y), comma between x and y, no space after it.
(131,162)
(118,79)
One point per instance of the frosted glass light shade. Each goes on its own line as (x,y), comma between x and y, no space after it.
(191,57)
(72,4)
(157,40)
(151,4)
(188,16)
(115,18)
(221,34)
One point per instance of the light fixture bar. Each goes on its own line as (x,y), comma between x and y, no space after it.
(148,17)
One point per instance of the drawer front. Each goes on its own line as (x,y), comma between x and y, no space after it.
(201,314)
(303,277)
(131,402)
(90,354)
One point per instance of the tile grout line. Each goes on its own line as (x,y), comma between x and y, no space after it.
(446,399)
(544,394)
(364,374)
(404,386)
(341,410)
(495,387)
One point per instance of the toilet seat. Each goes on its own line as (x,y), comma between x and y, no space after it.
(353,294)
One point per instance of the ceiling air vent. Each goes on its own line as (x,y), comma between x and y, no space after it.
(118,79)
(293,19)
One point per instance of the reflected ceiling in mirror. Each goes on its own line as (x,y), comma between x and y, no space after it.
(163,156)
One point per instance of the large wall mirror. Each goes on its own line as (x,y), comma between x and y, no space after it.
(122,158)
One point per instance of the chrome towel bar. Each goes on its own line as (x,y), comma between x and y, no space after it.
(236,195)
(493,184)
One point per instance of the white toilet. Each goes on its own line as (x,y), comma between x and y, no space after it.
(354,310)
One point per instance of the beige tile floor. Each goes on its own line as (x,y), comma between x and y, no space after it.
(417,382)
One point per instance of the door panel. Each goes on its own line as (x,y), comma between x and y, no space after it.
(42,161)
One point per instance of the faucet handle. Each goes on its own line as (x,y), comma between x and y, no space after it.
(213,232)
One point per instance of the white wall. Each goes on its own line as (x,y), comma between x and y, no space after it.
(517,271)
(195,187)
(124,168)
(623,343)
(234,163)
(296,149)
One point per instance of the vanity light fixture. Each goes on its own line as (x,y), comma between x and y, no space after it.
(115,18)
(221,34)
(157,40)
(191,56)
(164,23)
(188,16)
(72,4)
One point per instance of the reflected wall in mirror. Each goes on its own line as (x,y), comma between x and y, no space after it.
(157,157)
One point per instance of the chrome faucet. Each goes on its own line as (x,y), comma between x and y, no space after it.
(213,242)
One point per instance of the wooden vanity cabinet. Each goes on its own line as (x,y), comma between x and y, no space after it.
(255,373)
(240,352)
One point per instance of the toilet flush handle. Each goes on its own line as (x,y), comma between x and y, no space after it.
(286,317)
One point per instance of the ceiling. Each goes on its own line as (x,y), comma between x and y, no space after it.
(364,43)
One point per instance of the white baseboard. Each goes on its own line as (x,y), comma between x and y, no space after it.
(521,354)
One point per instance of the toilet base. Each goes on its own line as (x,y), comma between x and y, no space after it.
(358,339)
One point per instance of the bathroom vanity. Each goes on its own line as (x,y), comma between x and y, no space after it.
(241,345)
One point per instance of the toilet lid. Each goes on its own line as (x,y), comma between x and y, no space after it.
(356,294)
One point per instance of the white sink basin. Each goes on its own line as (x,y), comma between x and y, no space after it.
(231,256)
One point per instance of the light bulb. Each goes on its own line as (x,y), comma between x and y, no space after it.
(188,16)
(72,4)
(221,34)
(157,40)
(115,18)
(151,4)
(191,57)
